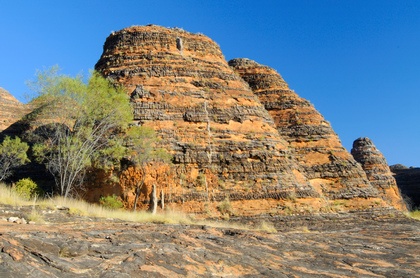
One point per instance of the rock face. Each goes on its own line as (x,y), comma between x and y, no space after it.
(316,147)
(11,110)
(377,170)
(340,245)
(408,181)
(224,142)
(236,131)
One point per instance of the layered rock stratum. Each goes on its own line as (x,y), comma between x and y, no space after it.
(324,161)
(11,110)
(215,127)
(236,132)
(377,170)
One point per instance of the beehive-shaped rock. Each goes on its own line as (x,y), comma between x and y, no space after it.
(11,110)
(377,170)
(208,118)
(325,162)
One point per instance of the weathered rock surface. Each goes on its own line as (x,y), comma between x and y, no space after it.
(408,181)
(377,170)
(363,244)
(317,148)
(11,110)
(224,142)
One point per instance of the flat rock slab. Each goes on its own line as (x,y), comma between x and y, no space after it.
(102,248)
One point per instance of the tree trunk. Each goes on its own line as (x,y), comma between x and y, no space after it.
(139,186)
(162,200)
(135,201)
(154,200)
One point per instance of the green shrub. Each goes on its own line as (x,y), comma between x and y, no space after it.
(27,188)
(111,202)
(225,206)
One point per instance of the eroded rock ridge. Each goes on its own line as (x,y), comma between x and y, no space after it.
(234,129)
(205,113)
(377,170)
(316,147)
(11,110)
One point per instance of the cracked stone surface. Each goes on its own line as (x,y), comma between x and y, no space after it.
(370,244)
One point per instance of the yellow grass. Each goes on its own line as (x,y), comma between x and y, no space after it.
(36,217)
(82,208)
(267,227)
(10,197)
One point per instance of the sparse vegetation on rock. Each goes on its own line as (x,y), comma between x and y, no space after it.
(143,153)
(225,207)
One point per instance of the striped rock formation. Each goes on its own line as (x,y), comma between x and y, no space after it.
(235,131)
(377,170)
(325,162)
(11,110)
(243,143)
(224,142)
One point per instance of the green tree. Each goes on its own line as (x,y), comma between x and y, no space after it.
(78,125)
(144,152)
(12,155)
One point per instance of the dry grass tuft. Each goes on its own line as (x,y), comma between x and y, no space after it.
(36,217)
(266,227)
(8,196)
(82,208)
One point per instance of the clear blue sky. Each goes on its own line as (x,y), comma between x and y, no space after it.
(357,61)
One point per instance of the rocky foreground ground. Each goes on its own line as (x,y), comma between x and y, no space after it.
(364,244)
